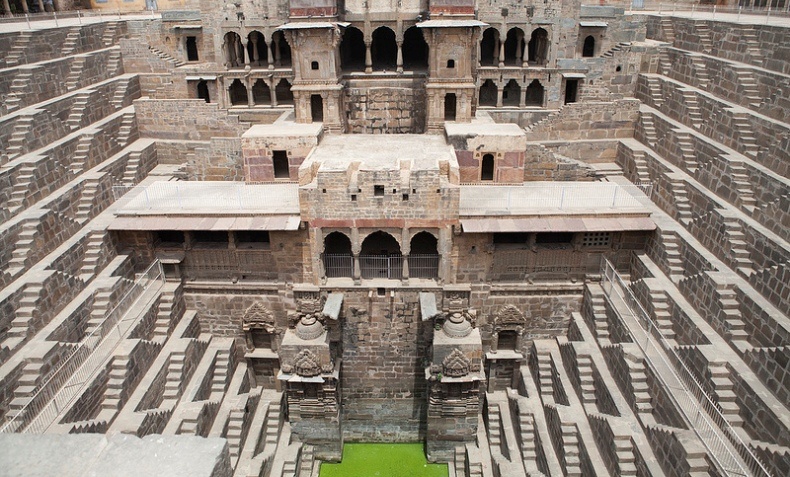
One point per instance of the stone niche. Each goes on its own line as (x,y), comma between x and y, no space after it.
(274,152)
(488,152)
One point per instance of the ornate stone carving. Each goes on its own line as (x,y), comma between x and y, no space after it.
(306,364)
(309,328)
(258,316)
(508,317)
(456,365)
(457,325)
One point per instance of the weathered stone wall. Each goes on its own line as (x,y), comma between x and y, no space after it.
(397,108)
(588,121)
(188,119)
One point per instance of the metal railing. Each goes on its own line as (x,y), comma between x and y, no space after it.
(702,412)
(87,16)
(423,265)
(745,7)
(75,371)
(542,196)
(381,266)
(337,265)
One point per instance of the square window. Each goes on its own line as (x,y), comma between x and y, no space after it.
(378,190)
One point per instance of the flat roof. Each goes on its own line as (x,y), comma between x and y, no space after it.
(283,129)
(381,152)
(210,205)
(481,128)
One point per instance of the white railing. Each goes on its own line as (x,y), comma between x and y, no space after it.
(338,265)
(702,412)
(75,371)
(745,7)
(87,16)
(543,196)
(220,196)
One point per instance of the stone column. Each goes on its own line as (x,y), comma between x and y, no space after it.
(522,100)
(250,97)
(24,6)
(368,58)
(519,49)
(246,53)
(6,7)
(356,248)
(356,275)
(400,57)
(405,250)
(499,94)
(277,58)
(41,5)
(255,55)
(501,53)
(495,53)
(272,91)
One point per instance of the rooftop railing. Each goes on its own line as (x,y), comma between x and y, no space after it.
(76,370)
(701,411)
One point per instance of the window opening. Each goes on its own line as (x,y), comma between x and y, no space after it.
(280,162)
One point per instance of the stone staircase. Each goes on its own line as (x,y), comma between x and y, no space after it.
(638,378)
(21,187)
(78,108)
(164,316)
(494,425)
(219,380)
(661,314)
(126,129)
(740,179)
(668,29)
(749,36)
(307,461)
(641,167)
(725,394)
(742,124)
(730,316)
(71,41)
(649,128)
(114,62)
(748,85)
(673,259)
(175,376)
(586,382)
(703,33)
(110,32)
(85,205)
(24,317)
(81,153)
(18,142)
(654,88)
(25,242)
(132,168)
(166,57)
(93,254)
(571,448)
(235,432)
(664,62)
(526,424)
(16,91)
(700,71)
(17,52)
(739,248)
(692,107)
(687,152)
(120,94)
(616,49)
(75,73)
(682,203)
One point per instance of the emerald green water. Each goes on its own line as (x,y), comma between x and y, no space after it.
(383,460)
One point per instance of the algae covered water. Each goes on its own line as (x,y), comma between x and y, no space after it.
(383,460)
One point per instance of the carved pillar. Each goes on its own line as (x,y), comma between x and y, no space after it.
(24,6)
(400,57)
(495,53)
(277,57)
(479,54)
(519,48)
(368,58)
(40,6)
(501,53)
(246,53)
(522,100)
(356,248)
(357,274)
(6,7)
(406,250)
(255,55)
(272,91)
(499,94)
(250,98)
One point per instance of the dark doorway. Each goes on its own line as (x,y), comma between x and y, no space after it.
(261,94)
(488,93)
(508,340)
(192,50)
(534,96)
(283,92)
(538,48)
(415,50)
(589,46)
(238,93)
(487,168)
(514,46)
(352,50)
(280,162)
(571,90)
(317,107)
(202,91)
(449,107)
(511,94)
(281,50)
(489,48)
(384,49)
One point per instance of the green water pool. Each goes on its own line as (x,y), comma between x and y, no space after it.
(383,460)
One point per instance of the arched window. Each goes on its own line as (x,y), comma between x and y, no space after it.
(488,93)
(384,49)
(415,49)
(381,257)
(514,47)
(534,96)
(489,48)
(261,94)
(511,94)
(338,261)
(487,168)
(538,48)
(257,50)
(202,91)
(238,93)
(449,107)
(283,92)
(234,50)
(352,50)
(589,47)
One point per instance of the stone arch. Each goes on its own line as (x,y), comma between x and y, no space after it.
(488,93)
(415,49)
(487,167)
(281,50)
(384,49)
(261,94)
(337,243)
(588,49)
(535,93)
(257,49)
(538,47)
(233,49)
(424,243)
(489,47)
(238,93)
(514,46)
(352,50)
(380,243)
(202,91)
(511,94)
(283,92)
